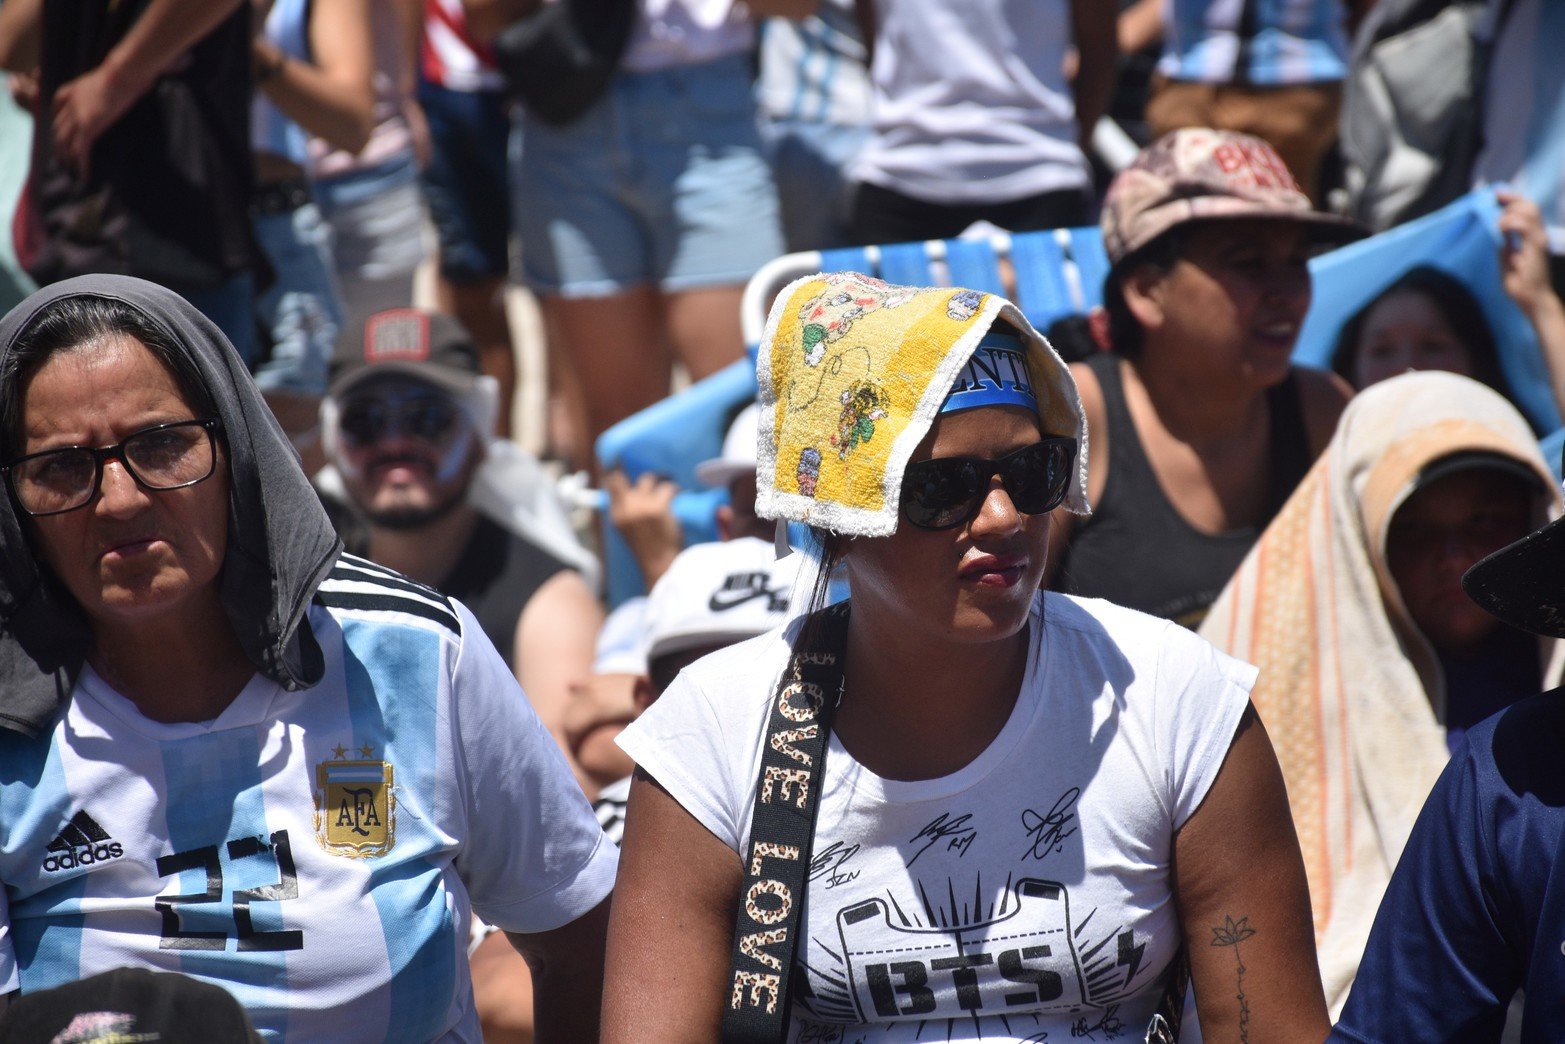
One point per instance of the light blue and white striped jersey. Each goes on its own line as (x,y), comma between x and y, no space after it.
(316,853)
(813,69)
(1281,42)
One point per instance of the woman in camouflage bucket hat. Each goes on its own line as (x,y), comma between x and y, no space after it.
(1203,424)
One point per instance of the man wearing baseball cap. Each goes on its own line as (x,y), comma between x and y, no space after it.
(408,425)
(1475,911)
(1201,424)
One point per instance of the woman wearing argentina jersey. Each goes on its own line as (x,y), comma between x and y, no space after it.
(1031,802)
(228,751)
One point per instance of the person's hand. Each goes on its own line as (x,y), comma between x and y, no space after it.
(1524,254)
(83,109)
(643,512)
(418,130)
(24,90)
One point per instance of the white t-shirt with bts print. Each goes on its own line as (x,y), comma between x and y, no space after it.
(1027,894)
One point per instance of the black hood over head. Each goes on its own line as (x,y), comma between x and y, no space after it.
(281,544)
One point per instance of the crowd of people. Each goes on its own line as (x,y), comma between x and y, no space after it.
(1125,692)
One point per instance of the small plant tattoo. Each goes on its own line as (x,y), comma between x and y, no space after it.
(1232,933)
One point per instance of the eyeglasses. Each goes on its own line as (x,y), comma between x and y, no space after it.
(162,457)
(947,491)
(364,422)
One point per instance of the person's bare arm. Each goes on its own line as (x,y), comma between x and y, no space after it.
(332,97)
(502,991)
(567,976)
(410,23)
(1097,62)
(1140,25)
(88,105)
(485,18)
(672,925)
(555,637)
(21,31)
(1524,272)
(1245,906)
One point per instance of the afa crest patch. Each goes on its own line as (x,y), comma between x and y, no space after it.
(355,806)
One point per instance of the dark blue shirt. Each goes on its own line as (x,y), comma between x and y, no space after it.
(1476,907)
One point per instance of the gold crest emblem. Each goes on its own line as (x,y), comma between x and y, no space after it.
(355,807)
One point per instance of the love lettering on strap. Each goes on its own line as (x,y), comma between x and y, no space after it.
(781,831)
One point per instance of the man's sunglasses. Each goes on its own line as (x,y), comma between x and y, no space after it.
(427,417)
(948,491)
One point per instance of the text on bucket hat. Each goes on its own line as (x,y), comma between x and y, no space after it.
(853,372)
(1197,173)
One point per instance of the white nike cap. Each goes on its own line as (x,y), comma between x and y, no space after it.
(720,592)
(738,450)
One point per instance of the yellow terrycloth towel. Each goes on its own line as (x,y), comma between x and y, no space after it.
(853,372)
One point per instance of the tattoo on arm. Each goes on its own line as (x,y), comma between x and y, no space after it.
(1232,933)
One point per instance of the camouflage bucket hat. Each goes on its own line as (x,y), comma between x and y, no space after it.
(1198,174)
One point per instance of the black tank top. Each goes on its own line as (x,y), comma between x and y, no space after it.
(496,577)
(1136,549)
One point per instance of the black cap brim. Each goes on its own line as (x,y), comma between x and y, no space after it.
(1524,583)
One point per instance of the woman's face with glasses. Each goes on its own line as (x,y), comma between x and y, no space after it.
(973,578)
(139,531)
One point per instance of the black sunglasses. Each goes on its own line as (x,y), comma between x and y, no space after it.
(948,491)
(427,417)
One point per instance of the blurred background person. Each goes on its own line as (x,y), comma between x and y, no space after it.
(815,99)
(643,513)
(977,118)
(466,185)
(1429,320)
(1201,423)
(1373,662)
(132,100)
(370,196)
(1465,946)
(641,220)
(1273,70)
(312,72)
(409,430)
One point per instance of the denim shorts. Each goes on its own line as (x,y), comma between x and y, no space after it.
(376,216)
(465,182)
(662,182)
(301,311)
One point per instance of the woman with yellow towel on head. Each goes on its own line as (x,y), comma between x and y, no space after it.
(960,808)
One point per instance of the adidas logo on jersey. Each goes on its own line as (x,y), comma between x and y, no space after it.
(82,843)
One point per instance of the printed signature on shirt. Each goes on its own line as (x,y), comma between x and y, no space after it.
(1110,1024)
(1049,832)
(828,862)
(955,833)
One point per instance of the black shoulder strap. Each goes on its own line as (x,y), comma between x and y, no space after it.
(782,828)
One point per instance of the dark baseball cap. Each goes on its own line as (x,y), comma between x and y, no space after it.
(429,346)
(128,1004)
